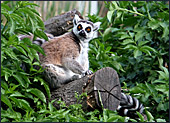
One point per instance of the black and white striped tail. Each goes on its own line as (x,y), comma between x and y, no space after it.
(38,41)
(129,105)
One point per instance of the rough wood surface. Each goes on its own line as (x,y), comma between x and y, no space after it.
(60,24)
(107,82)
(102,86)
(67,92)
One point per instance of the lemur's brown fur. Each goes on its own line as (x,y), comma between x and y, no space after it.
(59,48)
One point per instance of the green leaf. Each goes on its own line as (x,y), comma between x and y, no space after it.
(119,14)
(33,24)
(113,119)
(106,32)
(5,100)
(166,71)
(109,15)
(117,66)
(7,75)
(21,50)
(13,39)
(26,10)
(11,54)
(12,27)
(50,106)
(151,88)
(163,75)
(25,104)
(45,86)
(105,117)
(163,88)
(33,10)
(37,93)
(162,107)
(22,31)
(41,34)
(165,32)
(38,48)
(29,3)
(29,95)
(133,120)
(148,48)
(140,116)
(114,4)
(26,41)
(137,53)
(26,48)
(159,81)
(160,120)
(141,43)
(149,116)
(140,34)
(40,23)
(127,41)
(13,87)
(11,114)
(4,120)
(74,119)
(16,101)
(4,85)
(17,18)
(130,47)
(17,94)
(34,53)
(19,78)
(25,59)
(145,51)
(154,24)
(4,6)
(26,78)
(124,36)
(136,90)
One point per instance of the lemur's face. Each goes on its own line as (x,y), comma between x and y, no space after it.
(83,29)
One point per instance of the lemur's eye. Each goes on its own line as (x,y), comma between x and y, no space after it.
(88,29)
(79,27)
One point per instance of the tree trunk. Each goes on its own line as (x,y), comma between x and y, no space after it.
(60,24)
(102,87)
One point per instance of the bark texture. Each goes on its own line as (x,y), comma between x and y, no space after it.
(60,24)
(103,90)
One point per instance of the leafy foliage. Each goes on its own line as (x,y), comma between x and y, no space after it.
(133,41)
(21,92)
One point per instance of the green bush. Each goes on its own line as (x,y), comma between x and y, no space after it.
(22,93)
(133,41)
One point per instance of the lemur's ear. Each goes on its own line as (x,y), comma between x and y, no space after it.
(76,19)
(96,26)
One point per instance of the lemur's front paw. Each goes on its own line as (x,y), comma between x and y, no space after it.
(88,72)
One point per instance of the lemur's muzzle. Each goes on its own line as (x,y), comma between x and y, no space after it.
(82,33)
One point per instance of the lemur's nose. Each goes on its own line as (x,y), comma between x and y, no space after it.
(82,33)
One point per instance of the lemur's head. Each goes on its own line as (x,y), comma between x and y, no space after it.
(84,29)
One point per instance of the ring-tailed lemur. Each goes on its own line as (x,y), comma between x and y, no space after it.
(67,55)
(67,59)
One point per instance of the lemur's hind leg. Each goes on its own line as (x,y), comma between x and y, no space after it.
(57,76)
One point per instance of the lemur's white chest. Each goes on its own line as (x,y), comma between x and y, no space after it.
(82,59)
